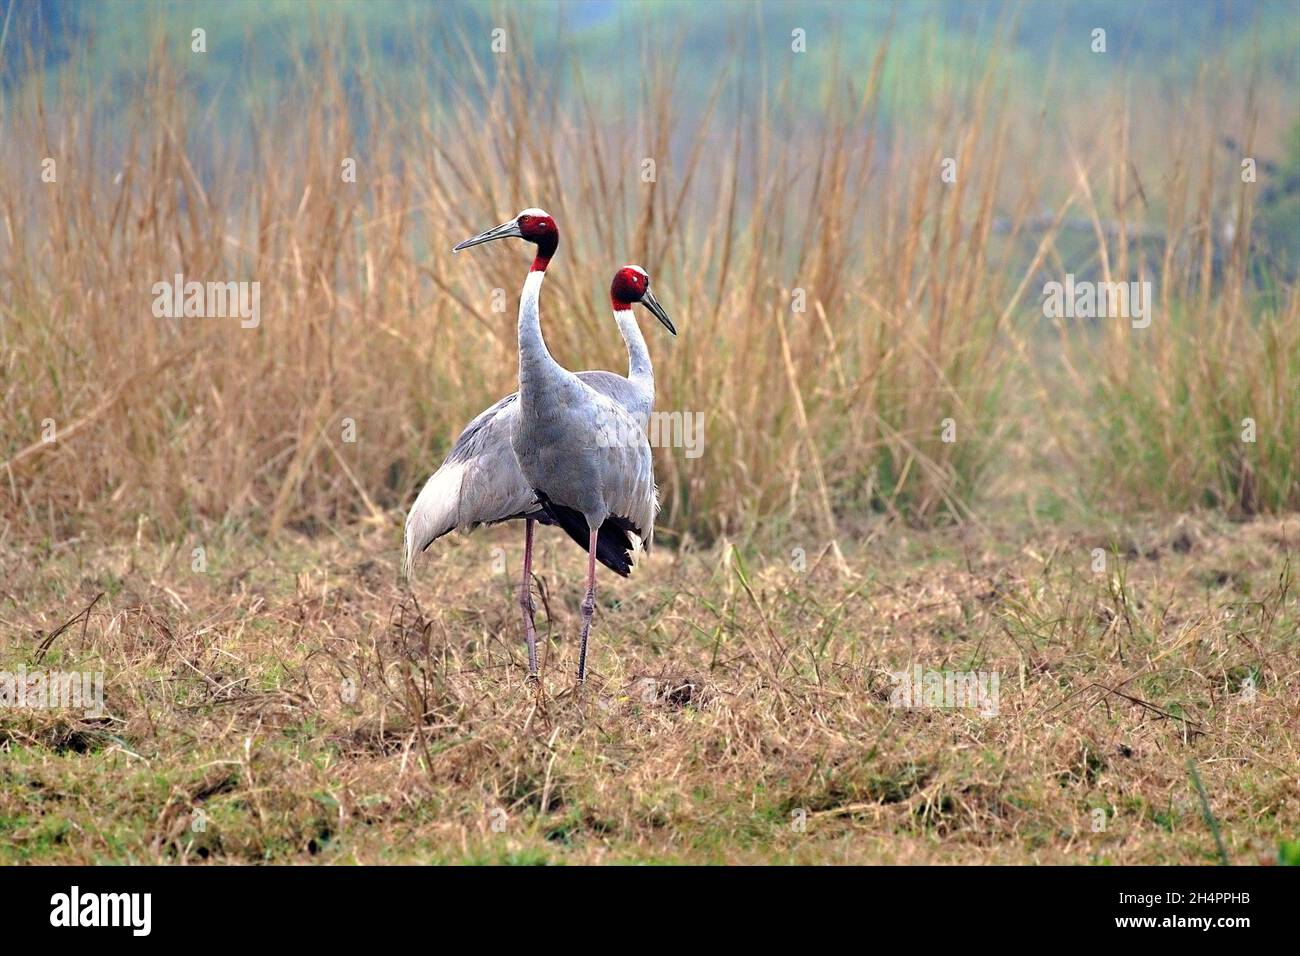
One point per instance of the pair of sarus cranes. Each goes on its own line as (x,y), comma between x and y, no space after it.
(567,449)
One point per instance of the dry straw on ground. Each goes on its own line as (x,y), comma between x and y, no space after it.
(738,709)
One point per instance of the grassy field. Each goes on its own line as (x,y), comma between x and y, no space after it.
(295,705)
(909,460)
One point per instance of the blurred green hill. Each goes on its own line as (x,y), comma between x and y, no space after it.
(1162,40)
(422,54)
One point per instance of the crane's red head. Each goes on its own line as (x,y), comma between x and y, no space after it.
(632,284)
(534,225)
(537,226)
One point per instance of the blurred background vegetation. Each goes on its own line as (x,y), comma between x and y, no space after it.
(776,171)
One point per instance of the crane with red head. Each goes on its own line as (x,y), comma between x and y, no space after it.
(552,421)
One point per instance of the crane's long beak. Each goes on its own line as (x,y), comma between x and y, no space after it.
(507,230)
(657,310)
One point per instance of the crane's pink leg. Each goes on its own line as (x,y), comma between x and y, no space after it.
(526,599)
(588,604)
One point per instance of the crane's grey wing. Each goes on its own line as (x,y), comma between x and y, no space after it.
(614,546)
(627,469)
(635,499)
(479,483)
(631,396)
(590,460)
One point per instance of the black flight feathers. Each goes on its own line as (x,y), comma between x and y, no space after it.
(613,546)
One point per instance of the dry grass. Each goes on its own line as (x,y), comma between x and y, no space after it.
(731,696)
(1162,411)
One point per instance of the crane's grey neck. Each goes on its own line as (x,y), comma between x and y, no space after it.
(535,362)
(639,370)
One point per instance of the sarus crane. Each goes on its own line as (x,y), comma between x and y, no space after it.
(481,482)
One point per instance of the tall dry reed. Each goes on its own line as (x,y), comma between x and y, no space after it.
(843,309)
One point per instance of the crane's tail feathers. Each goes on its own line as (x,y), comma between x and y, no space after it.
(434,513)
(613,546)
